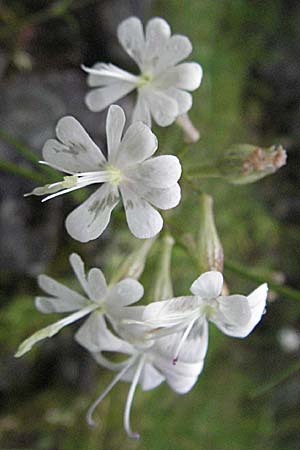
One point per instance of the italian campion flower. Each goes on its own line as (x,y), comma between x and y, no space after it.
(98,298)
(144,182)
(235,315)
(162,83)
(145,365)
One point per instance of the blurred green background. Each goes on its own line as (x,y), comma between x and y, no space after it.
(250,93)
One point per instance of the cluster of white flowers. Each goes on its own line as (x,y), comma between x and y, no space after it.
(167,339)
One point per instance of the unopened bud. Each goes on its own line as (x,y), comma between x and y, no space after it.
(162,287)
(210,250)
(247,163)
(134,264)
(190,132)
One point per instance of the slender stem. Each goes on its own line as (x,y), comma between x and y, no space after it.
(242,271)
(23,150)
(276,381)
(185,148)
(11,140)
(6,166)
(205,171)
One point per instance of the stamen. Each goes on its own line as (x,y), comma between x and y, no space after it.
(135,380)
(57,194)
(69,181)
(182,341)
(109,70)
(89,415)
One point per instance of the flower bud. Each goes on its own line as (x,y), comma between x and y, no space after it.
(245,163)
(162,286)
(133,266)
(209,247)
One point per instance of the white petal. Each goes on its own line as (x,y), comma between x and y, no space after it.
(49,305)
(114,128)
(143,220)
(76,152)
(99,98)
(257,303)
(129,325)
(184,99)
(131,36)
(97,284)
(138,144)
(94,284)
(157,34)
(182,376)
(125,293)
(186,76)
(78,268)
(159,172)
(175,50)
(257,298)
(150,377)
(141,111)
(160,198)
(96,337)
(233,316)
(163,108)
(208,285)
(89,220)
(56,289)
(176,312)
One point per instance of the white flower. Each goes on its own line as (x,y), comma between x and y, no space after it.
(144,181)
(162,83)
(235,315)
(147,366)
(98,300)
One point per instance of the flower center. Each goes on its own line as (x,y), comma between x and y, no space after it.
(144,79)
(115,175)
(209,308)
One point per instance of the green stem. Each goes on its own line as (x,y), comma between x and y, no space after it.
(205,171)
(6,166)
(24,151)
(276,381)
(183,151)
(285,291)
(11,140)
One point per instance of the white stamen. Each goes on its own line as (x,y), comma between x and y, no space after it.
(83,180)
(135,380)
(182,340)
(54,166)
(89,415)
(116,72)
